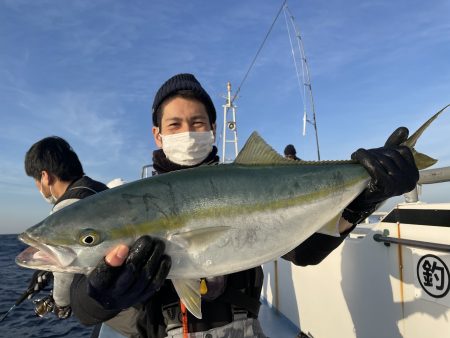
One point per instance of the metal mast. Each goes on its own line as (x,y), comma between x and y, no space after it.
(229,127)
(306,79)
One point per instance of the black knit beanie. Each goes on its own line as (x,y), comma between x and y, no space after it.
(183,82)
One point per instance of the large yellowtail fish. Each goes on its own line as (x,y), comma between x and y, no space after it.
(215,220)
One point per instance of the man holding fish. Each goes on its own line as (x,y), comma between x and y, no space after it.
(134,275)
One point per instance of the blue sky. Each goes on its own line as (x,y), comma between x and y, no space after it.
(87,71)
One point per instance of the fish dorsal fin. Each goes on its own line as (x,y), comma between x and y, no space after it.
(257,151)
(189,292)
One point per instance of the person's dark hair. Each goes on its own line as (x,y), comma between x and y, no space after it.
(185,94)
(290,150)
(54,155)
(186,86)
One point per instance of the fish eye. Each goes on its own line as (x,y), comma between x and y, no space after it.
(89,237)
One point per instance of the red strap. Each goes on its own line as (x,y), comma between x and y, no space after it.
(184,318)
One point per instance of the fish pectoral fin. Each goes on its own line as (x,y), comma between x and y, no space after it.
(197,239)
(189,292)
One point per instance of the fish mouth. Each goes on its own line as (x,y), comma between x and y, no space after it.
(45,256)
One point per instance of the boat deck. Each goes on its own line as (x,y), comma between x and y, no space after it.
(275,324)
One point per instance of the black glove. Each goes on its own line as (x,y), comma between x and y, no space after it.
(393,173)
(134,282)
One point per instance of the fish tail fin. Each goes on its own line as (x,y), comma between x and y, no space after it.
(422,161)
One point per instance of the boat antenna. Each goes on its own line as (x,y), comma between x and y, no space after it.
(306,88)
(257,53)
(306,78)
(229,126)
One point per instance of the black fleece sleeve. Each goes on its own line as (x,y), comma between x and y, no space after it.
(314,249)
(87,310)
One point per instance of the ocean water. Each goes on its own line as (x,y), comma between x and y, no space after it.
(22,322)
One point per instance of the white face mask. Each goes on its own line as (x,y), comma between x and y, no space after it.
(51,199)
(188,148)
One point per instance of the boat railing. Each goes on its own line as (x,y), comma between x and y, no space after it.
(147,170)
(428,176)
